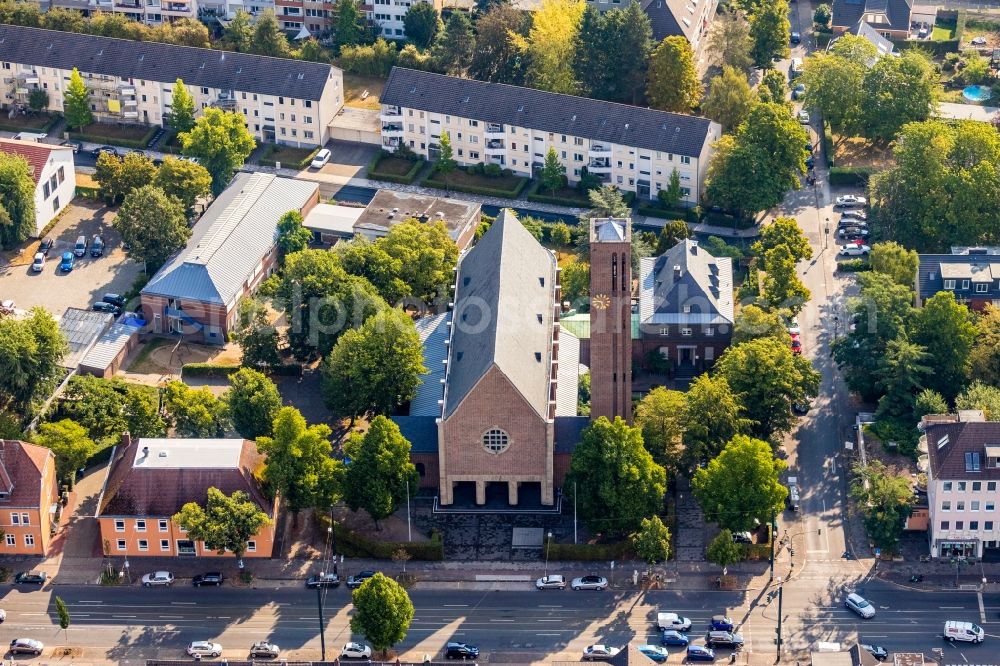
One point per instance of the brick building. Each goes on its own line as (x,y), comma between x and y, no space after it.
(28,498)
(610,317)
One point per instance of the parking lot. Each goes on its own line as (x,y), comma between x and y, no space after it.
(348,159)
(91,277)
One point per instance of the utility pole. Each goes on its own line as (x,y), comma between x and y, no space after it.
(774,533)
(319,605)
(409,534)
(781,589)
(574,513)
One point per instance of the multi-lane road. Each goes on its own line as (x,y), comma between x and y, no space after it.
(135,623)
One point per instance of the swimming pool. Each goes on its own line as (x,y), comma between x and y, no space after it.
(977,93)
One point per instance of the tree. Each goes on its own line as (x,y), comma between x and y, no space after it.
(253,402)
(299,466)
(76,102)
(183,180)
(373,369)
(603,68)
(369,260)
(31,351)
(181,108)
(613,479)
(729,99)
(575,281)
(63,612)
(185,32)
(257,337)
(781,286)
(560,234)
(945,329)
(68,440)
(222,142)
(927,402)
(454,48)
(833,85)
(38,100)
(984,361)
(983,397)
(446,161)
(729,42)
(350,23)
(108,174)
(195,412)
(551,40)
(119,176)
(723,551)
(239,32)
(770,31)
(673,79)
(501,46)
(553,174)
(225,523)
(823,15)
(426,254)
(153,224)
(714,417)
(741,485)
(783,231)
(17,200)
(107,408)
(382,612)
(292,236)
(380,475)
(673,232)
(268,38)
(607,201)
(312,51)
(422,24)
(901,375)
(886,500)
(752,322)
(652,542)
(662,416)
(897,91)
(895,261)
(768,379)
(773,87)
(64,20)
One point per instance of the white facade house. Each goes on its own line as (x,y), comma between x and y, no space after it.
(152,12)
(963,484)
(52,170)
(388,14)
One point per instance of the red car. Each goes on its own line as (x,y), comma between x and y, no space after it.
(796,344)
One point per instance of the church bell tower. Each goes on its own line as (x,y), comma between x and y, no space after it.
(611,318)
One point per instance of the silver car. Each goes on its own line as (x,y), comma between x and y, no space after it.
(204,649)
(860,605)
(157,579)
(589,583)
(551,582)
(26,646)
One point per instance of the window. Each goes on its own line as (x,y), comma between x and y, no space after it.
(309,105)
(972,461)
(685,192)
(25,519)
(686,331)
(55,205)
(665,330)
(991,485)
(251,546)
(965,284)
(11,540)
(988,525)
(45,190)
(974,506)
(981,287)
(140,525)
(960,505)
(946,487)
(949,284)
(164,544)
(973,524)
(119,525)
(61,174)
(946,505)
(990,506)
(143,544)
(977,486)
(473,123)
(307,120)
(945,524)
(685,159)
(163,525)
(121,544)
(709,330)
(496,440)
(29,540)
(961,486)
(959,524)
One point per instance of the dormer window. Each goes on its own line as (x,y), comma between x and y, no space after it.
(972,461)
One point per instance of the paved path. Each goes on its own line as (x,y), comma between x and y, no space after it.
(967,111)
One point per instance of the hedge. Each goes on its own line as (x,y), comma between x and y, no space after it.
(100,457)
(406,179)
(854,265)
(660,212)
(850,175)
(88,192)
(286,370)
(960,25)
(472,189)
(935,48)
(353,544)
(208,370)
(301,164)
(113,141)
(827,141)
(589,552)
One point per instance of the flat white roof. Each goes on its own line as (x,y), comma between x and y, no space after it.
(188,453)
(333,218)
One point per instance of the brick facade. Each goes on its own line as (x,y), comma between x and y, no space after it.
(610,351)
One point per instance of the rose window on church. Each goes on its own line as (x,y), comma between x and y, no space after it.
(495,440)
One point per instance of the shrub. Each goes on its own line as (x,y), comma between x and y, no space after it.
(960,22)
(492,170)
(88,192)
(114,141)
(828,143)
(405,179)
(854,265)
(850,175)
(353,544)
(950,60)
(208,370)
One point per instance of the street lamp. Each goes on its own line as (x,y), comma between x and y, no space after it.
(319,605)
(826,240)
(548,545)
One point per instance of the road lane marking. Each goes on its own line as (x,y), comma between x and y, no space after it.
(550,606)
(499,620)
(456,605)
(951,607)
(171,617)
(195,603)
(90,602)
(123,616)
(876,636)
(982,611)
(548,634)
(547,620)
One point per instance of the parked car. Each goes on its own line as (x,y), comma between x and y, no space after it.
(850,201)
(963,631)
(321,158)
(722,623)
(860,605)
(551,582)
(96,246)
(80,248)
(589,583)
(855,250)
(204,649)
(792,501)
(853,230)
(115,299)
(75,145)
(210,578)
(672,621)
(158,579)
(978,41)
(798,91)
(876,651)
(356,651)
(654,652)
(136,151)
(796,344)
(700,653)
(460,651)
(31,578)
(726,639)
(66,265)
(38,263)
(742,537)
(599,652)
(110,150)
(26,646)
(109,308)
(810,162)
(854,214)
(801,408)
(803,117)
(793,326)
(796,38)
(355,581)
(671,637)
(323,580)
(264,649)
(46,245)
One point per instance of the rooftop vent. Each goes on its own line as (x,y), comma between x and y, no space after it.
(301,76)
(101,52)
(413,90)
(201,66)
(943,441)
(677,271)
(520,109)
(142,56)
(163,454)
(222,57)
(145,451)
(465,100)
(239,70)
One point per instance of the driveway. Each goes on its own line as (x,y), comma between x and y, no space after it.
(90,278)
(348,159)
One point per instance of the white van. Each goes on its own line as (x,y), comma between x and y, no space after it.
(963,631)
(30,136)
(795,69)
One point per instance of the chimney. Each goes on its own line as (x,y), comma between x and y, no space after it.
(677,272)
(694,247)
(145,452)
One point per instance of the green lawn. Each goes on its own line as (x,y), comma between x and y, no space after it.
(394,166)
(943,30)
(460,177)
(290,154)
(569,193)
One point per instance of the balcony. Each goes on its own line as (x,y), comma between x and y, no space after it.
(27,78)
(225,100)
(598,150)
(494,131)
(599,166)
(495,147)
(128,4)
(126,90)
(391,143)
(130,114)
(177,8)
(390,113)
(392,129)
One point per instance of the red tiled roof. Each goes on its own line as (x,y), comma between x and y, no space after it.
(37,154)
(22,468)
(158,491)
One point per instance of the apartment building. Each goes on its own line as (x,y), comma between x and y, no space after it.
(690,19)
(282,100)
(152,12)
(388,14)
(228,8)
(150,480)
(632,147)
(961,454)
(53,173)
(29,498)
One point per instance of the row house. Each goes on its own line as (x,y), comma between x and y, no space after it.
(150,480)
(151,12)
(972,274)
(282,100)
(632,147)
